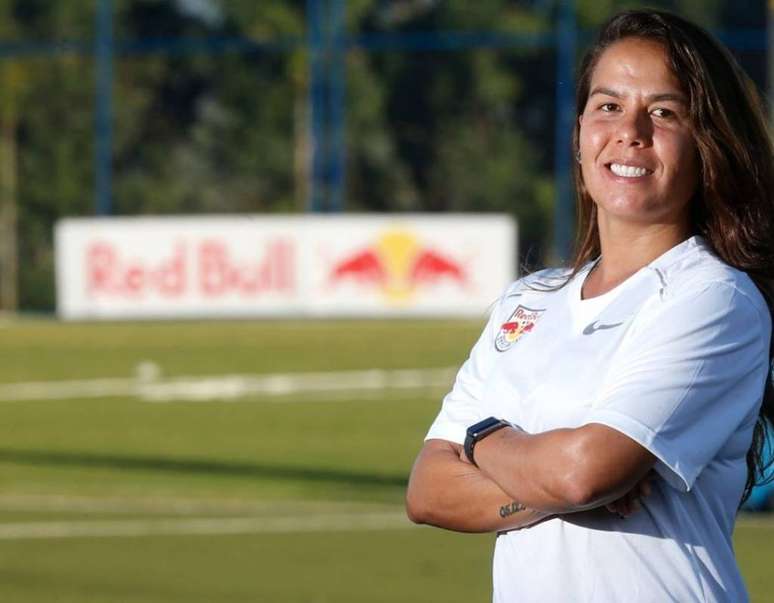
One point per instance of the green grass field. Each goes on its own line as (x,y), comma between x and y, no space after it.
(286,499)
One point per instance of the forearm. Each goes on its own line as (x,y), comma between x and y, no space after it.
(450,493)
(563,470)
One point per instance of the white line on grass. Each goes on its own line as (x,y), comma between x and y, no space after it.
(216,526)
(331,385)
(179,506)
(302,522)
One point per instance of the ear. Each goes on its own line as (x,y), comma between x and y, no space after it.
(580,119)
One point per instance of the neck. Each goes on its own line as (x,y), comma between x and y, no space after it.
(625,250)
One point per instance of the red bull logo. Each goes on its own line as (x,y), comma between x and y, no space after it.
(521,322)
(398,264)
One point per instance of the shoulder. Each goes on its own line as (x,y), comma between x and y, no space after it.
(532,291)
(697,271)
(693,277)
(542,282)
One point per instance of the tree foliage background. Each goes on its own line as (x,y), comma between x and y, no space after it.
(227,132)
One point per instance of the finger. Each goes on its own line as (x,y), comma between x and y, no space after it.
(632,504)
(642,489)
(646,488)
(619,507)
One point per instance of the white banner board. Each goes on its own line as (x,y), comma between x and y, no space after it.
(217,266)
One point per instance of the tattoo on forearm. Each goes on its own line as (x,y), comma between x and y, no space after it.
(510,509)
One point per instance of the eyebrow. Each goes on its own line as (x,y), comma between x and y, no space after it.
(659,96)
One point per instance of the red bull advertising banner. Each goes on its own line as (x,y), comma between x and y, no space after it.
(292,266)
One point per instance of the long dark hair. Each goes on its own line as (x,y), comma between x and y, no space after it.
(733,208)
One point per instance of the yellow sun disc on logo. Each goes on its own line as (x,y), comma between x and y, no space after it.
(398,249)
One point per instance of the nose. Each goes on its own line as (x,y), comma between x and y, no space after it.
(635,128)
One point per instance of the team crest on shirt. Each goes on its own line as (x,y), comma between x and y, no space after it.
(521,322)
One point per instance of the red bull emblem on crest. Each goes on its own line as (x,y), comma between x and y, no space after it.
(522,321)
(398,264)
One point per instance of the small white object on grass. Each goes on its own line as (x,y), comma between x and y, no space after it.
(147,371)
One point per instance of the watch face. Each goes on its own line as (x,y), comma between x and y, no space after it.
(478,432)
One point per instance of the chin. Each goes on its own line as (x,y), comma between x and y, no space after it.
(632,211)
(625,206)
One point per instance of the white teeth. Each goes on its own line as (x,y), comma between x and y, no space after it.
(627,171)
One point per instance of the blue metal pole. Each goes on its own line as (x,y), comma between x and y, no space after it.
(336,106)
(103,159)
(314,17)
(566,40)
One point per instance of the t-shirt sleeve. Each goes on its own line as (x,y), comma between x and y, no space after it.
(462,406)
(690,375)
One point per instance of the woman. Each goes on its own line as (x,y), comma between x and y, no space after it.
(642,369)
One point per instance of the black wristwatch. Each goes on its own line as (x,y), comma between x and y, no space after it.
(479,431)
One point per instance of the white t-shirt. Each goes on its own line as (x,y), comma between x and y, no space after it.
(675,358)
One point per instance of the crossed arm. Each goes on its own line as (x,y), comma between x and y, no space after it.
(523,478)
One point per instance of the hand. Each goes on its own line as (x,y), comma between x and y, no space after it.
(629,503)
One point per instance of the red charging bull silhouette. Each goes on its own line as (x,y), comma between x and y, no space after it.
(431,267)
(398,265)
(364,267)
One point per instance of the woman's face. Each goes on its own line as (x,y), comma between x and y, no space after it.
(638,156)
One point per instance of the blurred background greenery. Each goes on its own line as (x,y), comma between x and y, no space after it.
(211,109)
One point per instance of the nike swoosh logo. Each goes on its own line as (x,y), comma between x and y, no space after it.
(595,326)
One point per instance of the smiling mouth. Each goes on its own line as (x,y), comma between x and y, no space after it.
(628,171)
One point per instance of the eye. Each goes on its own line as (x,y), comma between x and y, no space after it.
(608,107)
(663,113)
